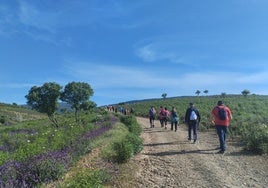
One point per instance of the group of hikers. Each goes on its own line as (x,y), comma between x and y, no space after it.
(220,118)
(120,109)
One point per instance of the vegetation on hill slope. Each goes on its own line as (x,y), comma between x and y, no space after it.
(249,115)
(12,114)
(46,152)
(35,152)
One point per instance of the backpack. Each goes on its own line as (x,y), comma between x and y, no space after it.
(222,113)
(151,112)
(163,113)
(166,114)
(193,115)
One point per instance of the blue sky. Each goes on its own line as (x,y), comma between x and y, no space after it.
(131,50)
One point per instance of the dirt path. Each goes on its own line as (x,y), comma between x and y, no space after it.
(170,160)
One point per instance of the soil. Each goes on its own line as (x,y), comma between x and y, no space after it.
(168,159)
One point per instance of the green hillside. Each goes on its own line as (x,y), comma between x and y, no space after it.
(249,122)
(12,114)
(42,152)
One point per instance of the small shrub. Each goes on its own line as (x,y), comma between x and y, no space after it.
(131,122)
(135,141)
(123,150)
(3,119)
(85,178)
(256,138)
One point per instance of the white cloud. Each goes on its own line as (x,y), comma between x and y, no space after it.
(109,76)
(16,85)
(147,53)
(254,78)
(113,76)
(29,15)
(163,48)
(156,51)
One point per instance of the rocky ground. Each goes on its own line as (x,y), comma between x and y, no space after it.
(170,160)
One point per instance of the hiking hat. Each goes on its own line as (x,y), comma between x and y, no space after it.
(191,104)
(220,103)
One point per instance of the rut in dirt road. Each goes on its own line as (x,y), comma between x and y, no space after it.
(170,160)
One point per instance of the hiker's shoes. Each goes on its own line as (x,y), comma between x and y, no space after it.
(221,152)
(194,141)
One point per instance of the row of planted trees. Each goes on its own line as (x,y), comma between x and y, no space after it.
(245,92)
(46,97)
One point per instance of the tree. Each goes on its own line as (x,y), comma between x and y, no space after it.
(88,105)
(206,91)
(223,94)
(245,92)
(164,95)
(44,99)
(197,92)
(76,94)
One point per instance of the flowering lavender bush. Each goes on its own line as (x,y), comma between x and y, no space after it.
(50,164)
(41,168)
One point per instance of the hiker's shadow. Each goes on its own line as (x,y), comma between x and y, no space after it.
(151,130)
(165,143)
(182,152)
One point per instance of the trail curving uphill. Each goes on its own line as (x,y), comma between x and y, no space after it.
(170,160)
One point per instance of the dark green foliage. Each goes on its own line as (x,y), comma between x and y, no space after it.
(256,138)
(77,94)
(124,151)
(3,119)
(135,141)
(132,143)
(44,99)
(131,123)
(245,92)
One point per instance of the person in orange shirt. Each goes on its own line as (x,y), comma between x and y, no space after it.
(221,116)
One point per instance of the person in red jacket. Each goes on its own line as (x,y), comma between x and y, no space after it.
(221,116)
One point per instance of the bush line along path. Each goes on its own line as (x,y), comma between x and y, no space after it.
(168,159)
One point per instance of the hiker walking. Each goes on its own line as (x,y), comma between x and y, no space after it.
(166,117)
(162,116)
(221,116)
(152,113)
(174,118)
(192,118)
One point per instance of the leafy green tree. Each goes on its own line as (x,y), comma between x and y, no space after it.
(223,94)
(206,91)
(88,105)
(76,94)
(45,99)
(164,95)
(245,92)
(197,92)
